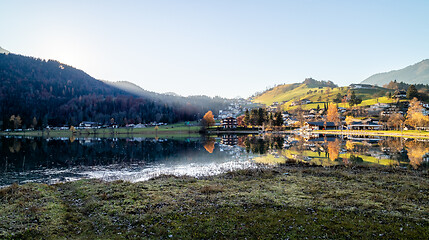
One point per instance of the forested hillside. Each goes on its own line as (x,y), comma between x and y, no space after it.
(48,92)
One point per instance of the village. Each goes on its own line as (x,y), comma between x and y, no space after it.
(401,115)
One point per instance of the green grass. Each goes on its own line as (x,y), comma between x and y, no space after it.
(290,201)
(295,92)
(178,129)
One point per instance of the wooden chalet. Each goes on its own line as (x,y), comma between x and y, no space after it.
(229,123)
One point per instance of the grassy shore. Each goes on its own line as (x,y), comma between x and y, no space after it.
(287,202)
(178,129)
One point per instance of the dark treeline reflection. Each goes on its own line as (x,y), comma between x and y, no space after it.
(37,153)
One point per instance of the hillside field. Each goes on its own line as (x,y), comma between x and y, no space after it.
(288,93)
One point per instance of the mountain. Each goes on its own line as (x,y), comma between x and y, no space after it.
(4,51)
(317,92)
(52,93)
(198,103)
(414,74)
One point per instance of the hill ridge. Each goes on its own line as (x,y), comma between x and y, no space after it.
(417,73)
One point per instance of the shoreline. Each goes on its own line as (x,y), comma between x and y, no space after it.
(288,201)
(194,132)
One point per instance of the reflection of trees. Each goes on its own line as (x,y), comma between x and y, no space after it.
(334,149)
(209,145)
(241,141)
(256,145)
(393,144)
(350,146)
(276,142)
(59,153)
(416,151)
(394,147)
(16,147)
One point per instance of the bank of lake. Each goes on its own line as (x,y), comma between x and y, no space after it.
(291,201)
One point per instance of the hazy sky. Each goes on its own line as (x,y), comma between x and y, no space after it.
(227,48)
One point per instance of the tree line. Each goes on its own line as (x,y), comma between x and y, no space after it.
(39,93)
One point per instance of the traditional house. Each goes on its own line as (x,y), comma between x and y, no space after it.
(86,124)
(139,125)
(366,124)
(305,101)
(360,86)
(400,94)
(229,122)
(290,121)
(320,125)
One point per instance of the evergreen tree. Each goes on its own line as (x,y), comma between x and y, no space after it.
(354,100)
(412,92)
(247,117)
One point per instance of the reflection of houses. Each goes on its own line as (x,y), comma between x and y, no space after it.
(229,140)
(320,125)
(229,122)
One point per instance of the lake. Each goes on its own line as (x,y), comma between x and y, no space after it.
(52,160)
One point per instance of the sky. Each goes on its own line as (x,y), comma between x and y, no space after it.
(225,48)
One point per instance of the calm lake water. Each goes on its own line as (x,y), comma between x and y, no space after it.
(51,160)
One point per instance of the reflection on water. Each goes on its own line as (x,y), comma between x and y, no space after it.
(332,150)
(132,159)
(136,159)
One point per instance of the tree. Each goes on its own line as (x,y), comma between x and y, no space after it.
(354,100)
(395,121)
(333,115)
(338,98)
(16,121)
(246,119)
(34,123)
(415,115)
(208,119)
(412,92)
(278,119)
(240,121)
(349,120)
(389,94)
(261,116)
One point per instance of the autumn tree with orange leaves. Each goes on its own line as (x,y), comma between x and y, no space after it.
(415,115)
(208,119)
(333,115)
